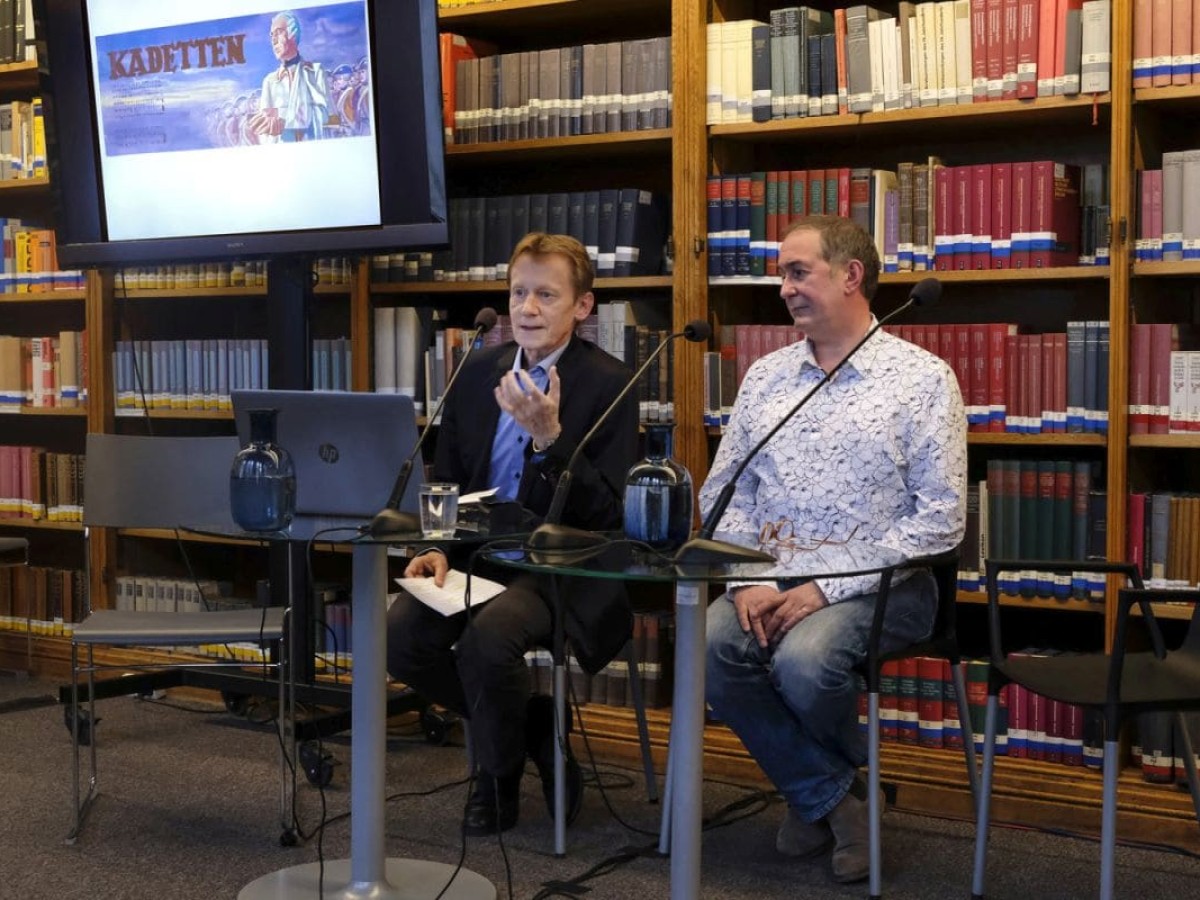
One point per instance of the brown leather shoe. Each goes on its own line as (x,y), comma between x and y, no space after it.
(850,822)
(802,840)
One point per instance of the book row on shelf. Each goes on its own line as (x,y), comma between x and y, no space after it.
(918,707)
(1168,209)
(43,372)
(1164,381)
(1036,509)
(187,374)
(654,647)
(623,229)
(235,273)
(1166,42)
(17,32)
(1163,538)
(30,264)
(1051,383)
(22,140)
(923,216)
(416,352)
(41,600)
(38,484)
(554,92)
(857,59)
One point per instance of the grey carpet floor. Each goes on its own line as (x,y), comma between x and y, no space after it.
(189,810)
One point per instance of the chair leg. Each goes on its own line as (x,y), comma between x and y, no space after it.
(964,720)
(876,851)
(664,829)
(984,800)
(285,729)
(1189,761)
(639,709)
(81,806)
(560,766)
(1108,821)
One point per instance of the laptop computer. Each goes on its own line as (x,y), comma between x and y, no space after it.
(347,447)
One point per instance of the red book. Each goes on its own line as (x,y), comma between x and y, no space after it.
(1047,396)
(930,703)
(1143,54)
(843,192)
(998,411)
(945,343)
(1036,389)
(979,51)
(1054,215)
(909,698)
(1022,187)
(943,219)
(962,358)
(1054,731)
(1009,38)
(771,266)
(981,216)
(1037,726)
(1001,215)
(1018,725)
(977,399)
(1027,49)
(1047,38)
(1181,41)
(1072,728)
(952,725)
(1164,337)
(889,701)
(1060,382)
(1135,542)
(964,218)
(1139,380)
(994,12)
(1013,409)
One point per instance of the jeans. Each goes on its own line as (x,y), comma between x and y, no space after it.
(795,705)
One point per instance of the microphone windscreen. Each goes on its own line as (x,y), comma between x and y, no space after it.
(486,318)
(697,330)
(926,292)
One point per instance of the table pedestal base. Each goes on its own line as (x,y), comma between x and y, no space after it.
(418,880)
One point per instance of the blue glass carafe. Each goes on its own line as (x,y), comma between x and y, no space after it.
(658,493)
(262,480)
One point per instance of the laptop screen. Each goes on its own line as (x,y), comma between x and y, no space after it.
(347,447)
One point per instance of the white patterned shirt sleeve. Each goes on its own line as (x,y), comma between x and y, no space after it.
(879,453)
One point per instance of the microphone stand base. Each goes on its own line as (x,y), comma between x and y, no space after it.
(394,522)
(552,543)
(707,551)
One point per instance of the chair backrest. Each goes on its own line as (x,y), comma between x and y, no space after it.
(133,481)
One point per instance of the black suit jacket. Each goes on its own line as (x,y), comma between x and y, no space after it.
(597,618)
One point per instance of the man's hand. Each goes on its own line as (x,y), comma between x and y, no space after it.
(429,565)
(770,615)
(798,604)
(533,410)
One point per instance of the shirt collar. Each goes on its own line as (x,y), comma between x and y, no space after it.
(545,364)
(862,362)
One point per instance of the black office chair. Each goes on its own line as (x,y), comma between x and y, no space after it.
(163,482)
(942,642)
(1120,685)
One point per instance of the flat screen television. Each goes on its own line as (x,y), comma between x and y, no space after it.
(224,129)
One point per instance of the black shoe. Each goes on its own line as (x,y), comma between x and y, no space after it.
(540,745)
(493,806)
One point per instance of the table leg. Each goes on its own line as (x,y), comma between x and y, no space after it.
(687,741)
(369,873)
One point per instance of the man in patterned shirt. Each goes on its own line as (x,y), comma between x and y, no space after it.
(878,453)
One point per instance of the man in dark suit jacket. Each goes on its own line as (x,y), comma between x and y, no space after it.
(515,416)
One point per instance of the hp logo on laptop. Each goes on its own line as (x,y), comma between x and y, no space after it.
(328,453)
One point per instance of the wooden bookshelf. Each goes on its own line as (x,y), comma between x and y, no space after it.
(40,524)
(586,147)
(640,282)
(71,296)
(53,412)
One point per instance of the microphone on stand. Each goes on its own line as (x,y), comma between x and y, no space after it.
(703,548)
(551,534)
(391,519)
